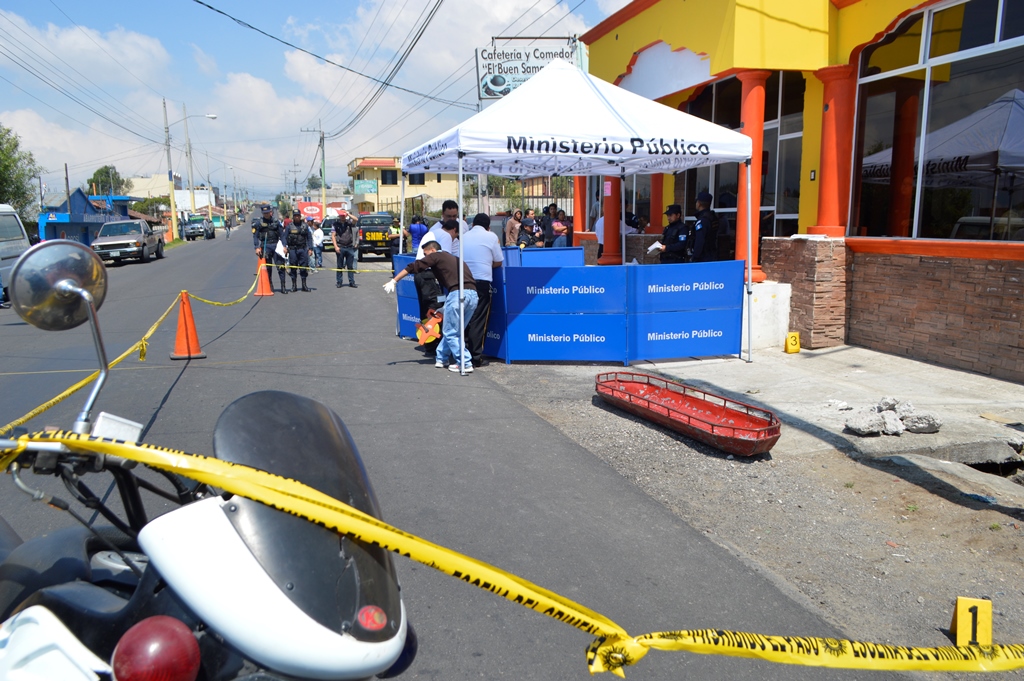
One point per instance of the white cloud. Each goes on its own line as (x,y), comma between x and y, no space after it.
(205,62)
(610,7)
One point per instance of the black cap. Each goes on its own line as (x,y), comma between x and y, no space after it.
(482,220)
(265,208)
(704,197)
(529,222)
(674,209)
(296,213)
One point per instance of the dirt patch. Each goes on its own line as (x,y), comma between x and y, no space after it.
(881,551)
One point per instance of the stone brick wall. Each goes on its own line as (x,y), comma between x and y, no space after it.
(955,312)
(816,270)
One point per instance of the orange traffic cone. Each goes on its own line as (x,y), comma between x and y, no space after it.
(263,287)
(187,344)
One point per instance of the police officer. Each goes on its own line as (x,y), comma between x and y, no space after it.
(298,246)
(674,241)
(705,231)
(266,233)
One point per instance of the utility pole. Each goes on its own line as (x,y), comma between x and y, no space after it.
(170,176)
(323,172)
(188,153)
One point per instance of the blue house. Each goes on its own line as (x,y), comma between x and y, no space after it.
(84,219)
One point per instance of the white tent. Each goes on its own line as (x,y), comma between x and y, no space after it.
(566,122)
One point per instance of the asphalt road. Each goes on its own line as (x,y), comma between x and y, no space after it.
(454,459)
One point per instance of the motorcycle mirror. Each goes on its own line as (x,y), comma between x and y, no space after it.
(47,281)
(57,285)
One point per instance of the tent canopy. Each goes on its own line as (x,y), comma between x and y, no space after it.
(967,152)
(565,122)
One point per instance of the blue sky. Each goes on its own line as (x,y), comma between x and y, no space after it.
(82,83)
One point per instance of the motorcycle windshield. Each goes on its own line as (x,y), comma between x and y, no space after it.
(346,585)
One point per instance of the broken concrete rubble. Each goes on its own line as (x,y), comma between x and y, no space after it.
(892,416)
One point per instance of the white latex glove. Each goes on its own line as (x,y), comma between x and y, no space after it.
(390,286)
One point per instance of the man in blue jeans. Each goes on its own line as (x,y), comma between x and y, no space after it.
(346,241)
(445,267)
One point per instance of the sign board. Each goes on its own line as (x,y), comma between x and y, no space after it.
(586,337)
(364,186)
(507,63)
(309,209)
(565,290)
(691,286)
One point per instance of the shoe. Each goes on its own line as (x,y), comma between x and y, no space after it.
(354,285)
(284,291)
(480,362)
(439,364)
(454,368)
(337,285)
(304,287)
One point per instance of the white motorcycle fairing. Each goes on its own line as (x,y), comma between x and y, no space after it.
(197,550)
(36,646)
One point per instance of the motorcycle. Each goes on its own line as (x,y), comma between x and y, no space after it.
(221,586)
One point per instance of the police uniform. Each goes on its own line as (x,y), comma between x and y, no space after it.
(266,233)
(675,239)
(299,240)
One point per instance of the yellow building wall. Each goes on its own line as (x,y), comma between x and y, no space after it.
(810,156)
(861,22)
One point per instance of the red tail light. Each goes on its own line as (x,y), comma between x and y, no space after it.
(157,649)
(360,234)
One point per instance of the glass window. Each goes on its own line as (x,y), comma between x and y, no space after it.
(439,177)
(389,177)
(417,178)
(786,227)
(793,86)
(703,104)
(970,181)
(963,27)
(769,153)
(890,115)
(900,48)
(788,201)
(1013,19)
(10,228)
(726,185)
(728,94)
(771,97)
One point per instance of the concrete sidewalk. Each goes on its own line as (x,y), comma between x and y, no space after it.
(814,392)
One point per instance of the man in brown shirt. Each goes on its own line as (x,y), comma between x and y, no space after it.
(445,267)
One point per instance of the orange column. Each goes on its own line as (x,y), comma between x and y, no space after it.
(752,118)
(579,204)
(837,120)
(657,203)
(612,254)
(901,170)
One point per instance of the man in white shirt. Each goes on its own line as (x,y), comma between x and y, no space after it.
(318,244)
(482,254)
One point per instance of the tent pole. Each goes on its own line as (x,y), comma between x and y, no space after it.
(622,211)
(750,245)
(462,283)
(401,221)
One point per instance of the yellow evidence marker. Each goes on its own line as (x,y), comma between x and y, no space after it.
(972,622)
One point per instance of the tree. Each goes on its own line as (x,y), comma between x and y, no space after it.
(18,169)
(107,180)
(153,206)
(313,183)
(284,205)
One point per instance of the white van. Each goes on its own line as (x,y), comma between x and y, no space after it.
(13,242)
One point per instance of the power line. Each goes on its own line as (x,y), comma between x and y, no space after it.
(324,59)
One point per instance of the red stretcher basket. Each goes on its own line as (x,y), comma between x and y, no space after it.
(725,424)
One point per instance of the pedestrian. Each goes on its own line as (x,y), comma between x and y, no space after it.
(674,246)
(417,230)
(445,267)
(546,224)
(512,226)
(560,230)
(298,247)
(427,289)
(267,233)
(705,231)
(394,236)
(227,226)
(318,244)
(481,251)
(346,240)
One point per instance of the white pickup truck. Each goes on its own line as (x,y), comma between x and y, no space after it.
(123,239)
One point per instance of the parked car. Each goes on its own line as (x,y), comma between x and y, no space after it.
(373,234)
(124,239)
(195,227)
(13,242)
(328,227)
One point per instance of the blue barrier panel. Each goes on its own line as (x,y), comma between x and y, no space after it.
(552,257)
(511,255)
(588,337)
(495,342)
(407,286)
(696,286)
(699,333)
(408,316)
(565,290)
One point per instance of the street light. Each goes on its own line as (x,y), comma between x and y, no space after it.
(170,167)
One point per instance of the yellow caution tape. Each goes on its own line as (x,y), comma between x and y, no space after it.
(612,651)
(233,302)
(320,269)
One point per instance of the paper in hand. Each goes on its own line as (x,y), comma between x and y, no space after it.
(653,247)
